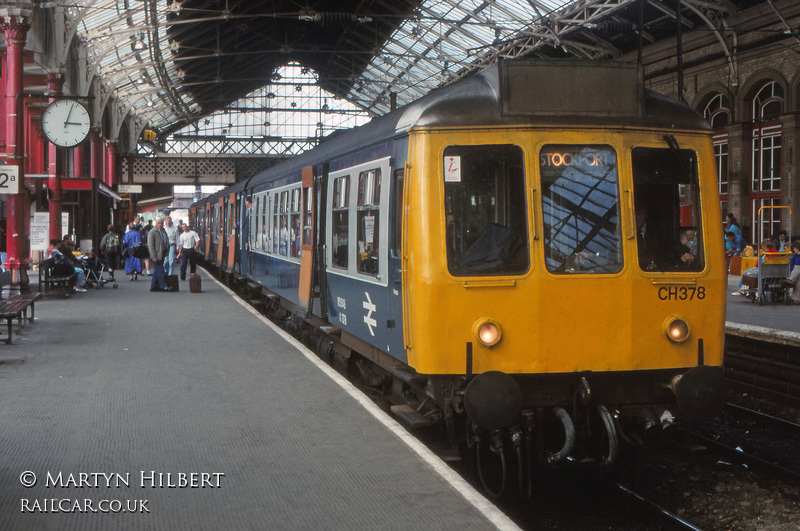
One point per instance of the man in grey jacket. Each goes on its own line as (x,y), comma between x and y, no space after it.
(158,246)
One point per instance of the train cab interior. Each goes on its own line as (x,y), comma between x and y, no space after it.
(485,210)
(665,187)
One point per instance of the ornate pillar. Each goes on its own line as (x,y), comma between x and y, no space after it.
(56,167)
(16,29)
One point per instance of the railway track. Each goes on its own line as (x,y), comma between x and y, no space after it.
(755,439)
(763,363)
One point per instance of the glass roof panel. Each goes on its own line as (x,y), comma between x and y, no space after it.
(442,39)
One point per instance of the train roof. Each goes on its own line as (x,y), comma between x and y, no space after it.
(512,93)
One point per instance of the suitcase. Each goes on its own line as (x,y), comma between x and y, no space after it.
(194,283)
(172,282)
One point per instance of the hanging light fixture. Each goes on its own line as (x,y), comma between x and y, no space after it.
(138,42)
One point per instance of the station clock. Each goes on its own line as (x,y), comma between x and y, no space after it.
(66,122)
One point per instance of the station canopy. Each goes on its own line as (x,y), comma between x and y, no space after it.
(174,62)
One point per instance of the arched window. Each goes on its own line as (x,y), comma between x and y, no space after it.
(718,114)
(766,168)
(768,103)
(718,111)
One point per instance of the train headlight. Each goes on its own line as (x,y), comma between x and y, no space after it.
(676,329)
(488,332)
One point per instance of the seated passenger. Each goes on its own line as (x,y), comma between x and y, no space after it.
(734,244)
(766,247)
(794,273)
(66,263)
(656,252)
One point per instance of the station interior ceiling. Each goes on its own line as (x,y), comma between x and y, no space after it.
(176,62)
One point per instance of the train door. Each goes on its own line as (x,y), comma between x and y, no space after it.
(321,199)
(307,241)
(206,234)
(220,231)
(232,232)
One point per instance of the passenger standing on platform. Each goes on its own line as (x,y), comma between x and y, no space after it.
(158,246)
(731,225)
(172,235)
(145,231)
(110,249)
(794,273)
(189,242)
(136,224)
(133,265)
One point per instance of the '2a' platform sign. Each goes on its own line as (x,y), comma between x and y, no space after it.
(9,179)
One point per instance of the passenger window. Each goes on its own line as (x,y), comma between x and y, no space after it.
(341,224)
(485,210)
(307,217)
(667,205)
(295,229)
(369,193)
(580,209)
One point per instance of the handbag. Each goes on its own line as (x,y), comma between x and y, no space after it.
(140,251)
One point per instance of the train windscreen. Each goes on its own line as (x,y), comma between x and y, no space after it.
(667,204)
(580,209)
(486,211)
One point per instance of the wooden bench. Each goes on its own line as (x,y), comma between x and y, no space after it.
(15,306)
(49,281)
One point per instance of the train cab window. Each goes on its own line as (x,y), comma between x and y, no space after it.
(340,221)
(368,218)
(580,209)
(667,209)
(485,210)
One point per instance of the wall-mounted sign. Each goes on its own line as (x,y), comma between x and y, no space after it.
(9,179)
(129,188)
(125,205)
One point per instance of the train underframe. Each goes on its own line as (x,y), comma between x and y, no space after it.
(507,426)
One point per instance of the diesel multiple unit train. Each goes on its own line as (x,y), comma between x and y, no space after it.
(529,258)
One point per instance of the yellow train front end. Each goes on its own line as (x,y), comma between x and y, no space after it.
(548,266)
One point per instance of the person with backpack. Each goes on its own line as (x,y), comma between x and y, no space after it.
(111,249)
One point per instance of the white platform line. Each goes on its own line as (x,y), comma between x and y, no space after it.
(475,498)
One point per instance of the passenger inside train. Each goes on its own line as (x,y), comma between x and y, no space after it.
(667,207)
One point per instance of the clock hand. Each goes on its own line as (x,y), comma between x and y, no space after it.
(68,115)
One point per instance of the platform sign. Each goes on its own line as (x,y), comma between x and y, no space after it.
(40,231)
(9,179)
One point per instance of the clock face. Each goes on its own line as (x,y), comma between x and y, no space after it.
(66,123)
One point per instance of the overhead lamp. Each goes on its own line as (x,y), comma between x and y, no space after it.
(138,42)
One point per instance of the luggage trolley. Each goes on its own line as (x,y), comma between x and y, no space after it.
(772,268)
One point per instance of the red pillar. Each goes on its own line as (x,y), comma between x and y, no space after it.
(78,166)
(95,154)
(111,164)
(55,167)
(16,30)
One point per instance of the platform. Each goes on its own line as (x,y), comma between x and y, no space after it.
(191,411)
(765,321)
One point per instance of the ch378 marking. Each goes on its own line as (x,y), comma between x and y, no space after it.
(675,293)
